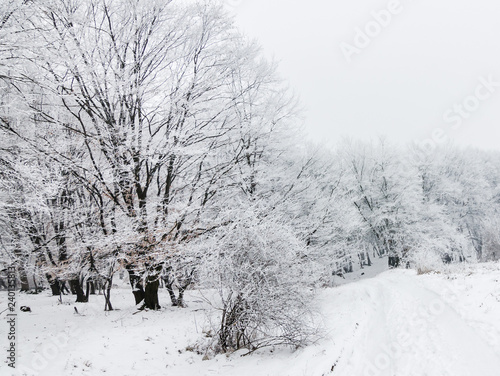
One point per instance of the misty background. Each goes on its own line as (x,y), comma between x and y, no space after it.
(428,58)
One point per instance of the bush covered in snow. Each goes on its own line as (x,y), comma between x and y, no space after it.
(264,297)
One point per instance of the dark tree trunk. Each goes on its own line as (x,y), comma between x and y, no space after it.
(107,294)
(393,261)
(136,284)
(72,288)
(138,291)
(89,288)
(78,291)
(64,288)
(151,293)
(54,284)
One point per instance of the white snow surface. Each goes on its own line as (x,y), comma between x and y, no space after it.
(397,323)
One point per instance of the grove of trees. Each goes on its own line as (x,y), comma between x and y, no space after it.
(151,136)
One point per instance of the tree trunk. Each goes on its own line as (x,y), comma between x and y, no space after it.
(107,294)
(136,284)
(77,288)
(92,287)
(182,288)
(180,299)
(25,285)
(64,288)
(186,282)
(170,290)
(151,293)
(87,290)
(54,284)
(37,289)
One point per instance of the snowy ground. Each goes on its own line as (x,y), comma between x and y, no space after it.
(395,324)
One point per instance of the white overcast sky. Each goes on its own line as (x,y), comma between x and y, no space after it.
(427,59)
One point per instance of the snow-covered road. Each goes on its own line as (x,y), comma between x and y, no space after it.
(410,330)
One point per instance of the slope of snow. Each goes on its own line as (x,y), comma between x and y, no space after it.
(379,265)
(395,324)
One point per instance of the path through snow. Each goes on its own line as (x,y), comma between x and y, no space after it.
(410,330)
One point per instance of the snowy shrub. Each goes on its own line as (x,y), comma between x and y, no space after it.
(263,294)
(432,257)
(426,261)
(434,252)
